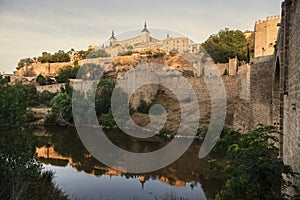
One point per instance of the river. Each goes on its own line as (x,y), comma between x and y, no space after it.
(81,176)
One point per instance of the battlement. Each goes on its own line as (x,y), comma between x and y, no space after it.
(266,32)
(268,19)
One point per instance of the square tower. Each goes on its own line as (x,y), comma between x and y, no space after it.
(266,32)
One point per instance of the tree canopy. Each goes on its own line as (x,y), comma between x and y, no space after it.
(59,56)
(20,173)
(97,54)
(227,44)
(24,62)
(66,72)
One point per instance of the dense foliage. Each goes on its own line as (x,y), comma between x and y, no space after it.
(42,80)
(173,52)
(253,169)
(24,62)
(97,54)
(34,98)
(61,104)
(125,53)
(66,72)
(59,56)
(103,96)
(20,174)
(228,44)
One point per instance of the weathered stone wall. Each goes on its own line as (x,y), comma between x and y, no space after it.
(265,36)
(243,82)
(289,62)
(254,92)
(261,89)
(46,69)
(51,88)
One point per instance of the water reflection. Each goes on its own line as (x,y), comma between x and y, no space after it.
(83,177)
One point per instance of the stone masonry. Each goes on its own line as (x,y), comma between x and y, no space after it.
(265,36)
(286,84)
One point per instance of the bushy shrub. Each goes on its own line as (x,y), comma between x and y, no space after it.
(253,169)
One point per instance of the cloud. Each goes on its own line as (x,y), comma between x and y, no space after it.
(29,27)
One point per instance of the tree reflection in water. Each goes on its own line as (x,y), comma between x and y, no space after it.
(61,147)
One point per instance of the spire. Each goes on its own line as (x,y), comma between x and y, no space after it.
(168,35)
(145,28)
(113,36)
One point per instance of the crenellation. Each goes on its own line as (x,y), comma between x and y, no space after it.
(266,32)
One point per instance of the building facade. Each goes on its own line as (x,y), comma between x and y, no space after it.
(144,42)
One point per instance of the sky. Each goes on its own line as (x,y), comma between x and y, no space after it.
(28,28)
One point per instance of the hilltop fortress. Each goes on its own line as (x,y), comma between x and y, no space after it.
(144,42)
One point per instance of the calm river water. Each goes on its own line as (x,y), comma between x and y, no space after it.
(81,176)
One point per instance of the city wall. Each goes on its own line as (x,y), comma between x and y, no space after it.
(286,84)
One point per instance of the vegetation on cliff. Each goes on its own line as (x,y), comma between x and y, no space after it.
(61,105)
(98,53)
(59,56)
(24,62)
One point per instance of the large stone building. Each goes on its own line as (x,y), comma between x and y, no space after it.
(144,41)
(265,36)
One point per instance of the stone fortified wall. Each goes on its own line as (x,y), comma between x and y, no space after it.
(254,94)
(265,36)
(46,69)
(286,87)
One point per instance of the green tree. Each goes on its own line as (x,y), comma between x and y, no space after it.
(98,53)
(253,169)
(31,94)
(61,109)
(251,45)
(173,52)
(66,72)
(125,53)
(59,56)
(46,57)
(83,54)
(24,62)
(20,173)
(130,47)
(226,44)
(143,107)
(103,96)
(41,80)
(45,97)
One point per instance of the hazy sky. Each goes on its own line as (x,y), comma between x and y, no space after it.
(27,28)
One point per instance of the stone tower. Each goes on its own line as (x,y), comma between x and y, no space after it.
(266,32)
(112,39)
(145,34)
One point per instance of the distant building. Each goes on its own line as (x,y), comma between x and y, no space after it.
(248,33)
(144,42)
(266,32)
